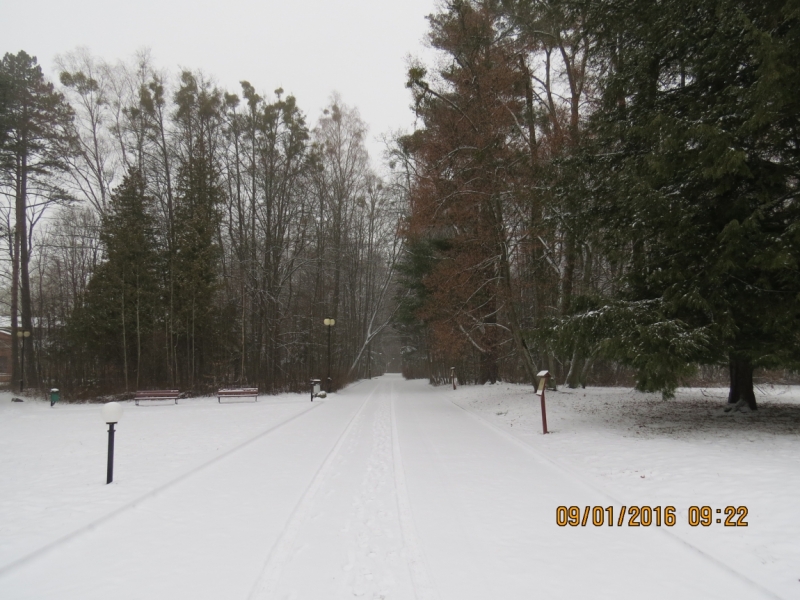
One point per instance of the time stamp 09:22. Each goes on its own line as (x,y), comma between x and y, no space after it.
(645,516)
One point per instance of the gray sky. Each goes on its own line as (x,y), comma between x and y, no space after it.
(308,47)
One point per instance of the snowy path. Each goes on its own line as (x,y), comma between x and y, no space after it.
(386,490)
(485,505)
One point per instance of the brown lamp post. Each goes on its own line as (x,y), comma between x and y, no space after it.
(544,377)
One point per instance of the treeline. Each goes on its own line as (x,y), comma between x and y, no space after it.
(164,232)
(598,184)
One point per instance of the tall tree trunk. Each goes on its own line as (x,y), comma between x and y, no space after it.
(576,375)
(124,335)
(574,369)
(138,335)
(27,312)
(24,259)
(172,341)
(16,373)
(568,274)
(507,293)
(741,385)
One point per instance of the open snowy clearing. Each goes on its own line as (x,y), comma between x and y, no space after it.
(638,449)
(395,489)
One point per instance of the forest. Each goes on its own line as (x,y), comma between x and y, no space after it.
(165,232)
(590,188)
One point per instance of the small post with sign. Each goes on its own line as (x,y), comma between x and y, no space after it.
(544,377)
(453,376)
(314,388)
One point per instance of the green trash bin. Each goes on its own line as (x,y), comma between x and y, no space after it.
(55,396)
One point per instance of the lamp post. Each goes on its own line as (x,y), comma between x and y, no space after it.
(112,412)
(23,335)
(329,323)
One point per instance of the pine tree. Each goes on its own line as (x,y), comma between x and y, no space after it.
(474,162)
(5,108)
(35,144)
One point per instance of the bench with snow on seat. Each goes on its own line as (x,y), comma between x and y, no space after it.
(237,393)
(153,395)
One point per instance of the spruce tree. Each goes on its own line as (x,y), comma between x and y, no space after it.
(196,263)
(194,276)
(119,314)
(699,168)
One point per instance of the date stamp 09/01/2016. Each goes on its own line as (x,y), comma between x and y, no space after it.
(645,516)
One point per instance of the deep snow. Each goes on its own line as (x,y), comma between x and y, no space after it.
(394,489)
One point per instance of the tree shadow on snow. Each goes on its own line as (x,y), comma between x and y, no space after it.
(651,416)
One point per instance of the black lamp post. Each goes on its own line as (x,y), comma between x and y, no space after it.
(329,323)
(112,412)
(23,335)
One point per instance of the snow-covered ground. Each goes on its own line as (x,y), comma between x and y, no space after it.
(638,449)
(395,489)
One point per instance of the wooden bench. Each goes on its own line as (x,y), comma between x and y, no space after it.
(157,395)
(237,393)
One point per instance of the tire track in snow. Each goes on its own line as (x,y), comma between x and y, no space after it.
(267,582)
(421,581)
(152,493)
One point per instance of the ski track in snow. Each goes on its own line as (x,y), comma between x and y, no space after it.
(105,519)
(265,585)
(392,491)
(419,572)
(374,559)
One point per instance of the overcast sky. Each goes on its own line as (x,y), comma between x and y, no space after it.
(308,47)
